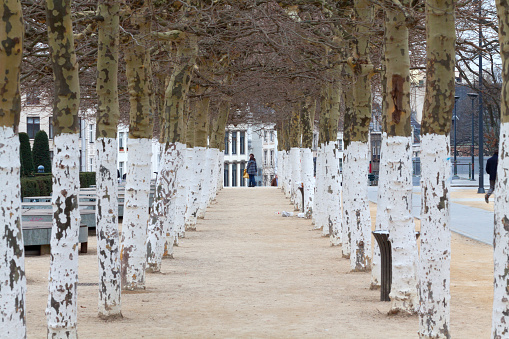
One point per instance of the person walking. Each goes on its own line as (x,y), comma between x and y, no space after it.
(251,170)
(491,169)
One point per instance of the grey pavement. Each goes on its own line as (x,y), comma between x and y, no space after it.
(471,222)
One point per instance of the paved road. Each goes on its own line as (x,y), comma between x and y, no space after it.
(472,222)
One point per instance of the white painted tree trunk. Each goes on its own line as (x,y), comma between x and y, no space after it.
(159,228)
(500,318)
(381,214)
(12,263)
(215,173)
(435,256)
(195,185)
(220,176)
(308,181)
(181,195)
(280,169)
(108,240)
(359,219)
(296,178)
(335,213)
(401,225)
(62,308)
(319,207)
(136,216)
(329,205)
(288,166)
(207,174)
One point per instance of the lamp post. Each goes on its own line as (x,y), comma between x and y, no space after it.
(472,97)
(481,134)
(455,122)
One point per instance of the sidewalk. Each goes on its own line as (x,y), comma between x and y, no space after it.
(466,219)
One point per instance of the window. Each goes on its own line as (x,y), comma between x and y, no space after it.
(91,164)
(121,141)
(33,126)
(226,144)
(226,181)
(91,133)
(121,169)
(271,136)
(271,157)
(50,134)
(265,157)
(340,165)
(265,136)
(234,175)
(242,143)
(234,144)
(242,179)
(340,144)
(81,131)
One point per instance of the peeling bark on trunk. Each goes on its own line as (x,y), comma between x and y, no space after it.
(335,215)
(357,212)
(108,241)
(62,309)
(399,164)
(136,205)
(500,319)
(358,133)
(12,263)
(159,229)
(435,255)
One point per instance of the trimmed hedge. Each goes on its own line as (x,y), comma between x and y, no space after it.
(40,152)
(41,185)
(87,179)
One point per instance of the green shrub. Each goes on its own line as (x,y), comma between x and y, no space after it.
(25,155)
(87,179)
(40,151)
(42,185)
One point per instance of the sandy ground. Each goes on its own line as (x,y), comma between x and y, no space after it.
(249,273)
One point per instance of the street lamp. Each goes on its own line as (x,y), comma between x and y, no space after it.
(472,97)
(455,122)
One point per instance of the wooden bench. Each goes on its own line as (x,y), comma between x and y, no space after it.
(39,234)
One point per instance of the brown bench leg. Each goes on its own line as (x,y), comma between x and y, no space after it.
(84,247)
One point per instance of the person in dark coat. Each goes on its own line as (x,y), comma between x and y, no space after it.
(251,170)
(491,169)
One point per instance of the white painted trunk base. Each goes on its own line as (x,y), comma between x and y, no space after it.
(181,195)
(381,214)
(12,263)
(136,216)
(308,180)
(335,211)
(207,173)
(288,168)
(328,204)
(435,255)
(319,201)
(357,214)
(62,308)
(161,218)
(401,225)
(108,240)
(194,186)
(296,197)
(500,318)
